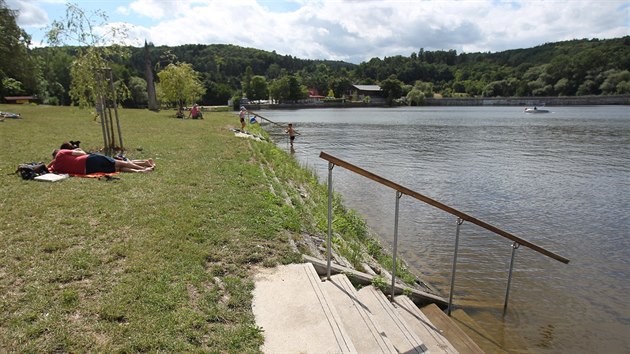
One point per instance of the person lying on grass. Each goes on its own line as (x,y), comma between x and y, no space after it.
(79,162)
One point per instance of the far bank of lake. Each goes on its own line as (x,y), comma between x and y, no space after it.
(472,102)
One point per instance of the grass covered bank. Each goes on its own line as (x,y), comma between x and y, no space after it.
(158,261)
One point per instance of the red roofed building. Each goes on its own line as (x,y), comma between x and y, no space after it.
(314,96)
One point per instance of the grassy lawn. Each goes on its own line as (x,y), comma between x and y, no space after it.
(151,262)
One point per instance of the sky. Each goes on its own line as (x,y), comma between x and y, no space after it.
(349,30)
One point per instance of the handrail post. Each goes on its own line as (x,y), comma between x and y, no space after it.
(450,297)
(330,197)
(515,246)
(398,195)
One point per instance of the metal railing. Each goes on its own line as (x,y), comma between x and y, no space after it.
(461,217)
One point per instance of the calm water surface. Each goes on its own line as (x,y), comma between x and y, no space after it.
(560,180)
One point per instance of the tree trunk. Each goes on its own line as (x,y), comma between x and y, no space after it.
(153,105)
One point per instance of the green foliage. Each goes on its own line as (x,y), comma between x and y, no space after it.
(258,88)
(138,91)
(402,272)
(91,69)
(615,82)
(15,60)
(12,87)
(179,84)
(392,89)
(122,91)
(415,97)
(380,283)
(287,89)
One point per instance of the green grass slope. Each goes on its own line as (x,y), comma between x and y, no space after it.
(150,262)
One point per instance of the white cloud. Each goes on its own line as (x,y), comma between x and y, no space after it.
(160,9)
(29,14)
(355,30)
(123,10)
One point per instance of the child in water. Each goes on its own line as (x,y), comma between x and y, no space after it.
(291,133)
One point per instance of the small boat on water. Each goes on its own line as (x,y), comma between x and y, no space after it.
(535,110)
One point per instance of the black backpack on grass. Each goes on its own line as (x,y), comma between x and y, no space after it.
(31,170)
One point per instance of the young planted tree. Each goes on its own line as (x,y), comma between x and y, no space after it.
(92,81)
(180,84)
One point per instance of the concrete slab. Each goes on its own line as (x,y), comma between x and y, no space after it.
(296,314)
(432,337)
(363,329)
(396,328)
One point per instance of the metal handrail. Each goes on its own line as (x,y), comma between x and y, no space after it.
(444,207)
(461,217)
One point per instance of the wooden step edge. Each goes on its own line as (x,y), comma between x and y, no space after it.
(420,298)
(430,334)
(451,330)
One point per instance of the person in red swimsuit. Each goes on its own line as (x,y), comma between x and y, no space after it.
(79,162)
(195,112)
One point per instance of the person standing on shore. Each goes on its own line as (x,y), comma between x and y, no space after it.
(241,115)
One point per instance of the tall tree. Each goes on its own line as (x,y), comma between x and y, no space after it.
(148,74)
(392,89)
(258,88)
(180,84)
(15,60)
(287,89)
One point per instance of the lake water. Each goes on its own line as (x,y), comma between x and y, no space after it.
(560,180)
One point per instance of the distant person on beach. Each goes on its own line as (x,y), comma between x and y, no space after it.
(98,111)
(291,133)
(195,112)
(241,115)
(79,162)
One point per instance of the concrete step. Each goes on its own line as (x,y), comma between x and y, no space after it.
(365,332)
(432,337)
(296,314)
(395,327)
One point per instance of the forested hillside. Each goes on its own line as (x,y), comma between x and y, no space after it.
(577,67)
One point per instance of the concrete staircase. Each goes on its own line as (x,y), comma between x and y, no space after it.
(299,313)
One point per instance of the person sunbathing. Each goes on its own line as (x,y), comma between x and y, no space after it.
(79,162)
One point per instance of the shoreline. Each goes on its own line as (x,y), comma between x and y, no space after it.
(600,100)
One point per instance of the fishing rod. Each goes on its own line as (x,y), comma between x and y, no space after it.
(270,121)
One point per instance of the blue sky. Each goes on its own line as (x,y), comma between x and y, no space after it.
(349,30)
